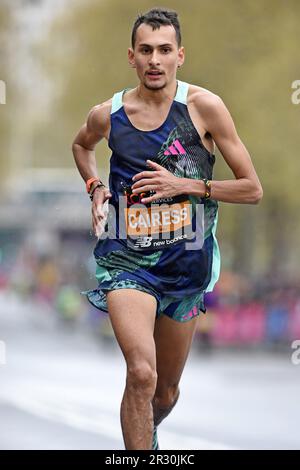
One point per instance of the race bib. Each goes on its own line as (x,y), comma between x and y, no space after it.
(163,223)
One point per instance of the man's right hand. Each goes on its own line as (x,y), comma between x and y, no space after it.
(100,195)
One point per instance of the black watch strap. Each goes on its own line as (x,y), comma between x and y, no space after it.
(98,185)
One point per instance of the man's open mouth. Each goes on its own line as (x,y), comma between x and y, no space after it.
(154,73)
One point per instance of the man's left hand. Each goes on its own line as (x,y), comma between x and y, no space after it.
(162,181)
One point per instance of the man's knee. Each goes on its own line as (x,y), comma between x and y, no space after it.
(141,377)
(164,403)
(166,395)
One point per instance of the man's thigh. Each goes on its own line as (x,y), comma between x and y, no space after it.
(132,314)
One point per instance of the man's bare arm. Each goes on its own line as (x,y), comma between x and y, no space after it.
(87,138)
(246,188)
(96,127)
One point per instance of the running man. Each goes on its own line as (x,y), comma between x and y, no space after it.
(164,256)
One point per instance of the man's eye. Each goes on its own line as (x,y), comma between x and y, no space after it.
(166,50)
(145,51)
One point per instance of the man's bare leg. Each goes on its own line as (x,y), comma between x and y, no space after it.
(173,341)
(132,315)
(161,412)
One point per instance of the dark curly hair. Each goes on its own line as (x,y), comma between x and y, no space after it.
(157,17)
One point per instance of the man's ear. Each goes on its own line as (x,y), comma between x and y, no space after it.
(181,54)
(131,57)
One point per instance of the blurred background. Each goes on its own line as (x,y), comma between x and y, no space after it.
(61,372)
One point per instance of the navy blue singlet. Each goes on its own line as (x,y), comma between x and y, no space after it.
(168,249)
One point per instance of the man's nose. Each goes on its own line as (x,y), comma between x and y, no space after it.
(154,59)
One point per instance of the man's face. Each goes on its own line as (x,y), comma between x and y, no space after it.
(156,56)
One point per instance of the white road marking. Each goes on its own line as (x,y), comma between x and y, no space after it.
(104,424)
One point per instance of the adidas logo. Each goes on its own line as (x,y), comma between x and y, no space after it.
(175,149)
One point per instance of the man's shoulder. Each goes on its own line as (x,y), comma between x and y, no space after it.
(102,109)
(99,115)
(203,99)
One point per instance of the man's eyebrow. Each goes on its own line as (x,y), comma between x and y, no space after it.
(160,45)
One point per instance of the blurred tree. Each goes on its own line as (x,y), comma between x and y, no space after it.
(5,90)
(245,52)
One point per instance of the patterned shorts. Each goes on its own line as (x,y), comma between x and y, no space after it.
(179,309)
